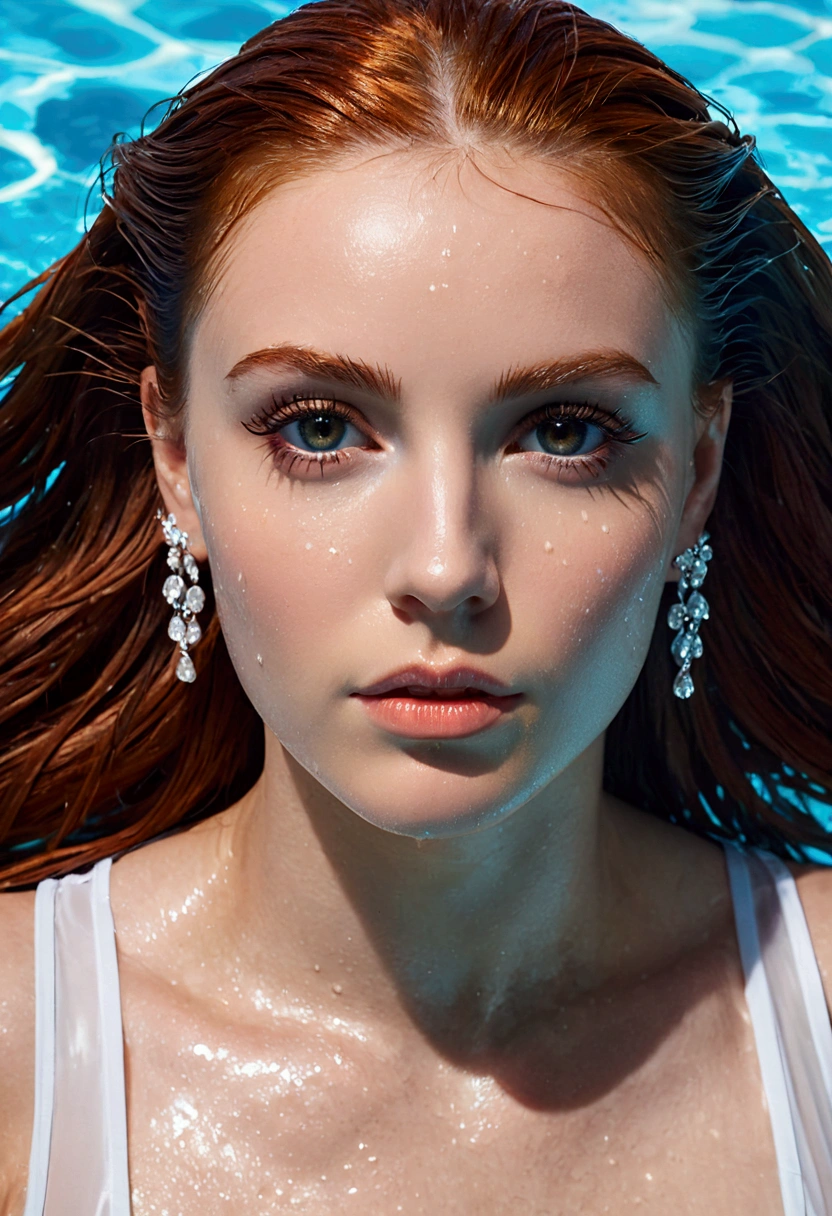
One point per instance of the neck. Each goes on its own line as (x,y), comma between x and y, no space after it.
(448,933)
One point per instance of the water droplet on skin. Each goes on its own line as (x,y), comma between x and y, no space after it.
(309,544)
(432,287)
(584,516)
(565,562)
(605,527)
(332,550)
(337,989)
(548,547)
(317,966)
(260,659)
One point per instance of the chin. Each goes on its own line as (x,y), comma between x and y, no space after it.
(425,788)
(435,801)
(436,824)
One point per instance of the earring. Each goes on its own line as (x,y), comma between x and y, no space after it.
(687,617)
(186,603)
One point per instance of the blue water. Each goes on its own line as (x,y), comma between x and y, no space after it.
(73,72)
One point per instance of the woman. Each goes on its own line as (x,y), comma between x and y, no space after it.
(467,345)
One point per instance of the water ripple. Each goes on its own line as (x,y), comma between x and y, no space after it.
(73,72)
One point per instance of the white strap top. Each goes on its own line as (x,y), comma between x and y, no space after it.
(784,992)
(78,1162)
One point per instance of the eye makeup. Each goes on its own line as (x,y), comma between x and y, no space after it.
(567,423)
(303,434)
(314,419)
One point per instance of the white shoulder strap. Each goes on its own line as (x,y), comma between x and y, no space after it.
(766,1033)
(791,1025)
(806,963)
(87,1142)
(44,1045)
(797,991)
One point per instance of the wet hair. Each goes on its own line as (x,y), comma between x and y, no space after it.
(101,747)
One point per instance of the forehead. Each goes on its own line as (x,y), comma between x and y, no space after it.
(445,264)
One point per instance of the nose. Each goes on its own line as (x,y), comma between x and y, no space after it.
(444,560)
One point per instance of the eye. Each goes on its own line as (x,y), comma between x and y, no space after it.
(564,436)
(309,436)
(320,432)
(573,439)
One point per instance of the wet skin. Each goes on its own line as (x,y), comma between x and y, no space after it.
(437,969)
(440,534)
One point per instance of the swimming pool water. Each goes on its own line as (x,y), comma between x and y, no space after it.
(73,72)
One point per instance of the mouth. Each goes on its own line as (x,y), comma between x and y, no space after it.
(420,703)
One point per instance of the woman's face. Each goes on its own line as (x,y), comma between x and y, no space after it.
(457,484)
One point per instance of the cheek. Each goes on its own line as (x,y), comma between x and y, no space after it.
(291,583)
(586,585)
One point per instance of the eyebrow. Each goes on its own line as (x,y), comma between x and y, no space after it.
(355,373)
(322,366)
(598,364)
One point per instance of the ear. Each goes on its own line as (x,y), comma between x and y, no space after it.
(707,467)
(170,460)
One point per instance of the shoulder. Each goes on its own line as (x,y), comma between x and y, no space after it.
(814,886)
(17,1044)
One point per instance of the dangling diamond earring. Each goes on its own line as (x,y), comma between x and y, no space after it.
(687,617)
(184,627)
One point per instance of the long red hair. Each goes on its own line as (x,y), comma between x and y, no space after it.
(102,747)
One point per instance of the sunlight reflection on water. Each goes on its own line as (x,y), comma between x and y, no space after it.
(72,74)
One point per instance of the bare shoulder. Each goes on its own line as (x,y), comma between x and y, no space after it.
(814,885)
(17,1044)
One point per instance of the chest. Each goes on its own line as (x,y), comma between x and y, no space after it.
(659,1109)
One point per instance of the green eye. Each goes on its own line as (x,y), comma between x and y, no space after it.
(566,437)
(322,432)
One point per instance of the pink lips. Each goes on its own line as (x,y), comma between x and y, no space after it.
(420,703)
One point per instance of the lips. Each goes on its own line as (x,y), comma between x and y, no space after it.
(424,681)
(420,703)
(436,694)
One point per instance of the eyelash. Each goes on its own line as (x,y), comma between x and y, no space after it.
(284,410)
(291,409)
(619,433)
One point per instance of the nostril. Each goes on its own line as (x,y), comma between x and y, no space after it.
(443,584)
